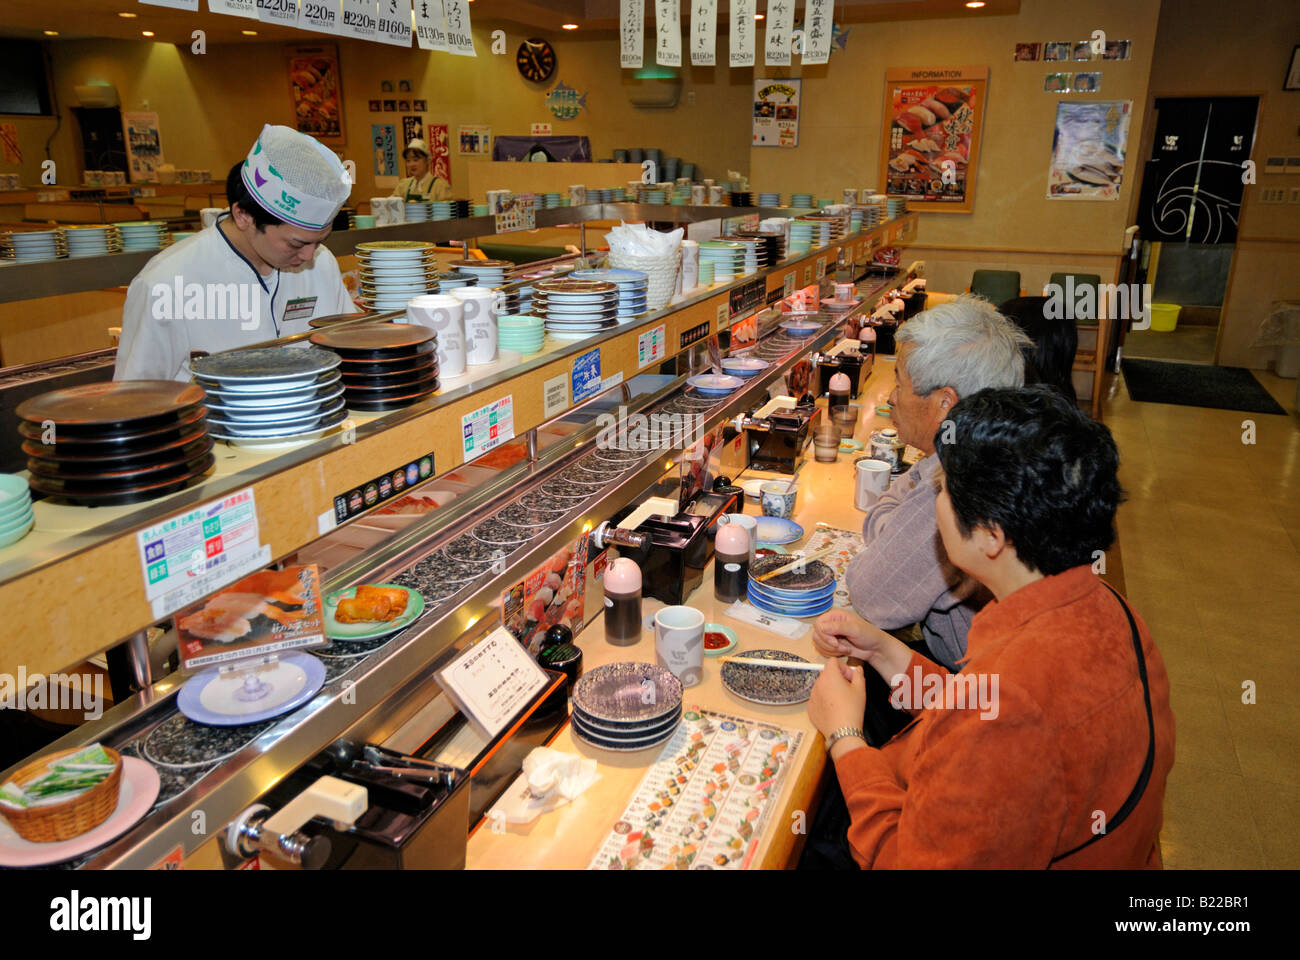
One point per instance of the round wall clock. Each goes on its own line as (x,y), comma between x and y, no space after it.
(536,60)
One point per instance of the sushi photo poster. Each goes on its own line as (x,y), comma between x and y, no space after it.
(930,148)
(1089,145)
(554,593)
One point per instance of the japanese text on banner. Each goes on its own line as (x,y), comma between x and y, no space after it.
(283,12)
(236,8)
(360,20)
(176,4)
(430,27)
(776,40)
(668,29)
(631,32)
(395,22)
(818,27)
(742,33)
(321,16)
(455,18)
(704,32)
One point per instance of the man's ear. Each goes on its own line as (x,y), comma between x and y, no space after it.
(991,540)
(241,217)
(948,398)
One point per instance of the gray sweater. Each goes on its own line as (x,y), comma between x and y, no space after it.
(902,576)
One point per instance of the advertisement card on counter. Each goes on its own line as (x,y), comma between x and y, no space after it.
(586,375)
(651,346)
(492,681)
(554,593)
(488,426)
(271,611)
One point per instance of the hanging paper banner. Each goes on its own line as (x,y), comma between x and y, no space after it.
(776,39)
(174,4)
(394,22)
(704,32)
(235,8)
(360,19)
(668,30)
(455,18)
(742,33)
(430,29)
(631,32)
(319,15)
(282,12)
(439,142)
(818,27)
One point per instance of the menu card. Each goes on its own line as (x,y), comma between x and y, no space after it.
(492,681)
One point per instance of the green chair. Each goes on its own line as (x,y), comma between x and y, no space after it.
(995,286)
(1072,283)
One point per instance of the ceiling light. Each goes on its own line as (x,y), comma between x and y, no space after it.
(975,4)
(127,16)
(249,33)
(147,33)
(51,33)
(568,26)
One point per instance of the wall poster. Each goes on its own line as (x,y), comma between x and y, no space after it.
(475,140)
(439,141)
(776,112)
(383,136)
(1088,148)
(930,147)
(317,92)
(143,145)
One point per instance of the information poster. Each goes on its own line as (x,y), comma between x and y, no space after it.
(1088,149)
(819,28)
(281,12)
(360,20)
(488,426)
(554,593)
(395,22)
(930,147)
(235,8)
(475,140)
(143,145)
(318,15)
(317,92)
(776,112)
(383,137)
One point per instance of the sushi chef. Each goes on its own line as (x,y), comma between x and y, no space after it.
(419,182)
(260,272)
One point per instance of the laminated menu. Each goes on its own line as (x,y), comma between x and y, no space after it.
(848,543)
(705,802)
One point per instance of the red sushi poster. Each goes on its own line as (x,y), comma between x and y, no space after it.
(930,146)
(553,593)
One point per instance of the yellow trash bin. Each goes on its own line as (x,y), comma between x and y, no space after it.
(1164,316)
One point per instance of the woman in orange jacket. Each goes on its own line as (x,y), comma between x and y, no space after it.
(1051,746)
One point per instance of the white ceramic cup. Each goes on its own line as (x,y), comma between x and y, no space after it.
(871,479)
(480,323)
(679,643)
(446,315)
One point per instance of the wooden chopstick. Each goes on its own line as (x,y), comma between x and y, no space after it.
(788,664)
(798,561)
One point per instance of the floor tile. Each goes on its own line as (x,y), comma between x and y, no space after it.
(1276,808)
(1208,821)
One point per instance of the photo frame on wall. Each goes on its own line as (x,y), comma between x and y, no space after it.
(317,91)
(930,146)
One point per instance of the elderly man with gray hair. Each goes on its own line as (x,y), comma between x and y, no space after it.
(903,576)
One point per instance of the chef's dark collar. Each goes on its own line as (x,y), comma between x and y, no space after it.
(260,279)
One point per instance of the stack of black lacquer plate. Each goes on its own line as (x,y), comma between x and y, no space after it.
(385,365)
(112,443)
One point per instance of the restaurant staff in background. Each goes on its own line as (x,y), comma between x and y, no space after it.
(258,273)
(419,182)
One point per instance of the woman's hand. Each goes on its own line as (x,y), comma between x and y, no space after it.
(839,698)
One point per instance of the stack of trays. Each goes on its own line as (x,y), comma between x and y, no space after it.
(450,279)
(801,200)
(417,211)
(143,235)
(523,333)
(443,210)
(609,712)
(392,272)
(488,273)
(728,258)
(34,245)
(271,396)
(117,442)
(384,365)
(632,288)
(809,593)
(769,199)
(742,198)
(16,514)
(575,309)
(93,240)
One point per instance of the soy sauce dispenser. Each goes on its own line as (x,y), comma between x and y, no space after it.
(731,563)
(623,602)
(841,386)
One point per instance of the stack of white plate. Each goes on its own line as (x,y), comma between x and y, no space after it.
(443,210)
(92,240)
(392,272)
(34,245)
(728,258)
(143,235)
(576,309)
(632,286)
(418,211)
(610,711)
(489,273)
(271,396)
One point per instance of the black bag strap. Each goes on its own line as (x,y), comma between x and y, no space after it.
(1144,777)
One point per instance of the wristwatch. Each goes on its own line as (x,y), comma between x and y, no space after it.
(838,735)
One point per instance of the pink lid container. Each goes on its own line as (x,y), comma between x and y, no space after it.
(623,576)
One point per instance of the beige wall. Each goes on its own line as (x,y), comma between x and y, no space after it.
(1247,56)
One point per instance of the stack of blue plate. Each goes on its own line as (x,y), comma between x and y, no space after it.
(451,279)
(801,200)
(417,211)
(489,273)
(521,332)
(654,196)
(797,593)
(16,515)
(443,210)
(143,235)
(769,199)
(896,207)
(609,709)
(551,200)
(632,287)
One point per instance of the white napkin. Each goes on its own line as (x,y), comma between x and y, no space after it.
(748,613)
(638,240)
(550,779)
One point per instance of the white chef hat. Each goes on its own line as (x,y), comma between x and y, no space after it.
(296,178)
(418,145)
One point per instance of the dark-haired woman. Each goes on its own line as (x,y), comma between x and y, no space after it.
(1055,343)
(257,274)
(1051,746)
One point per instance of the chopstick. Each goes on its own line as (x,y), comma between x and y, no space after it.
(788,664)
(798,561)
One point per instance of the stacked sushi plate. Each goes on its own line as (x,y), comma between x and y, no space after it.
(633,286)
(755,254)
(610,712)
(487,273)
(769,199)
(16,514)
(31,245)
(801,200)
(576,309)
(444,210)
(451,279)
(417,211)
(119,442)
(93,240)
(522,332)
(393,272)
(271,396)
(806,592)
(728,259)
(143,235)
(385,366)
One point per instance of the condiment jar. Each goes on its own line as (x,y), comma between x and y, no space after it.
(623,602)
(840,387)
(731,563)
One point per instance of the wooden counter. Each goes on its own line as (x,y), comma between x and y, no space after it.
(567,838)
